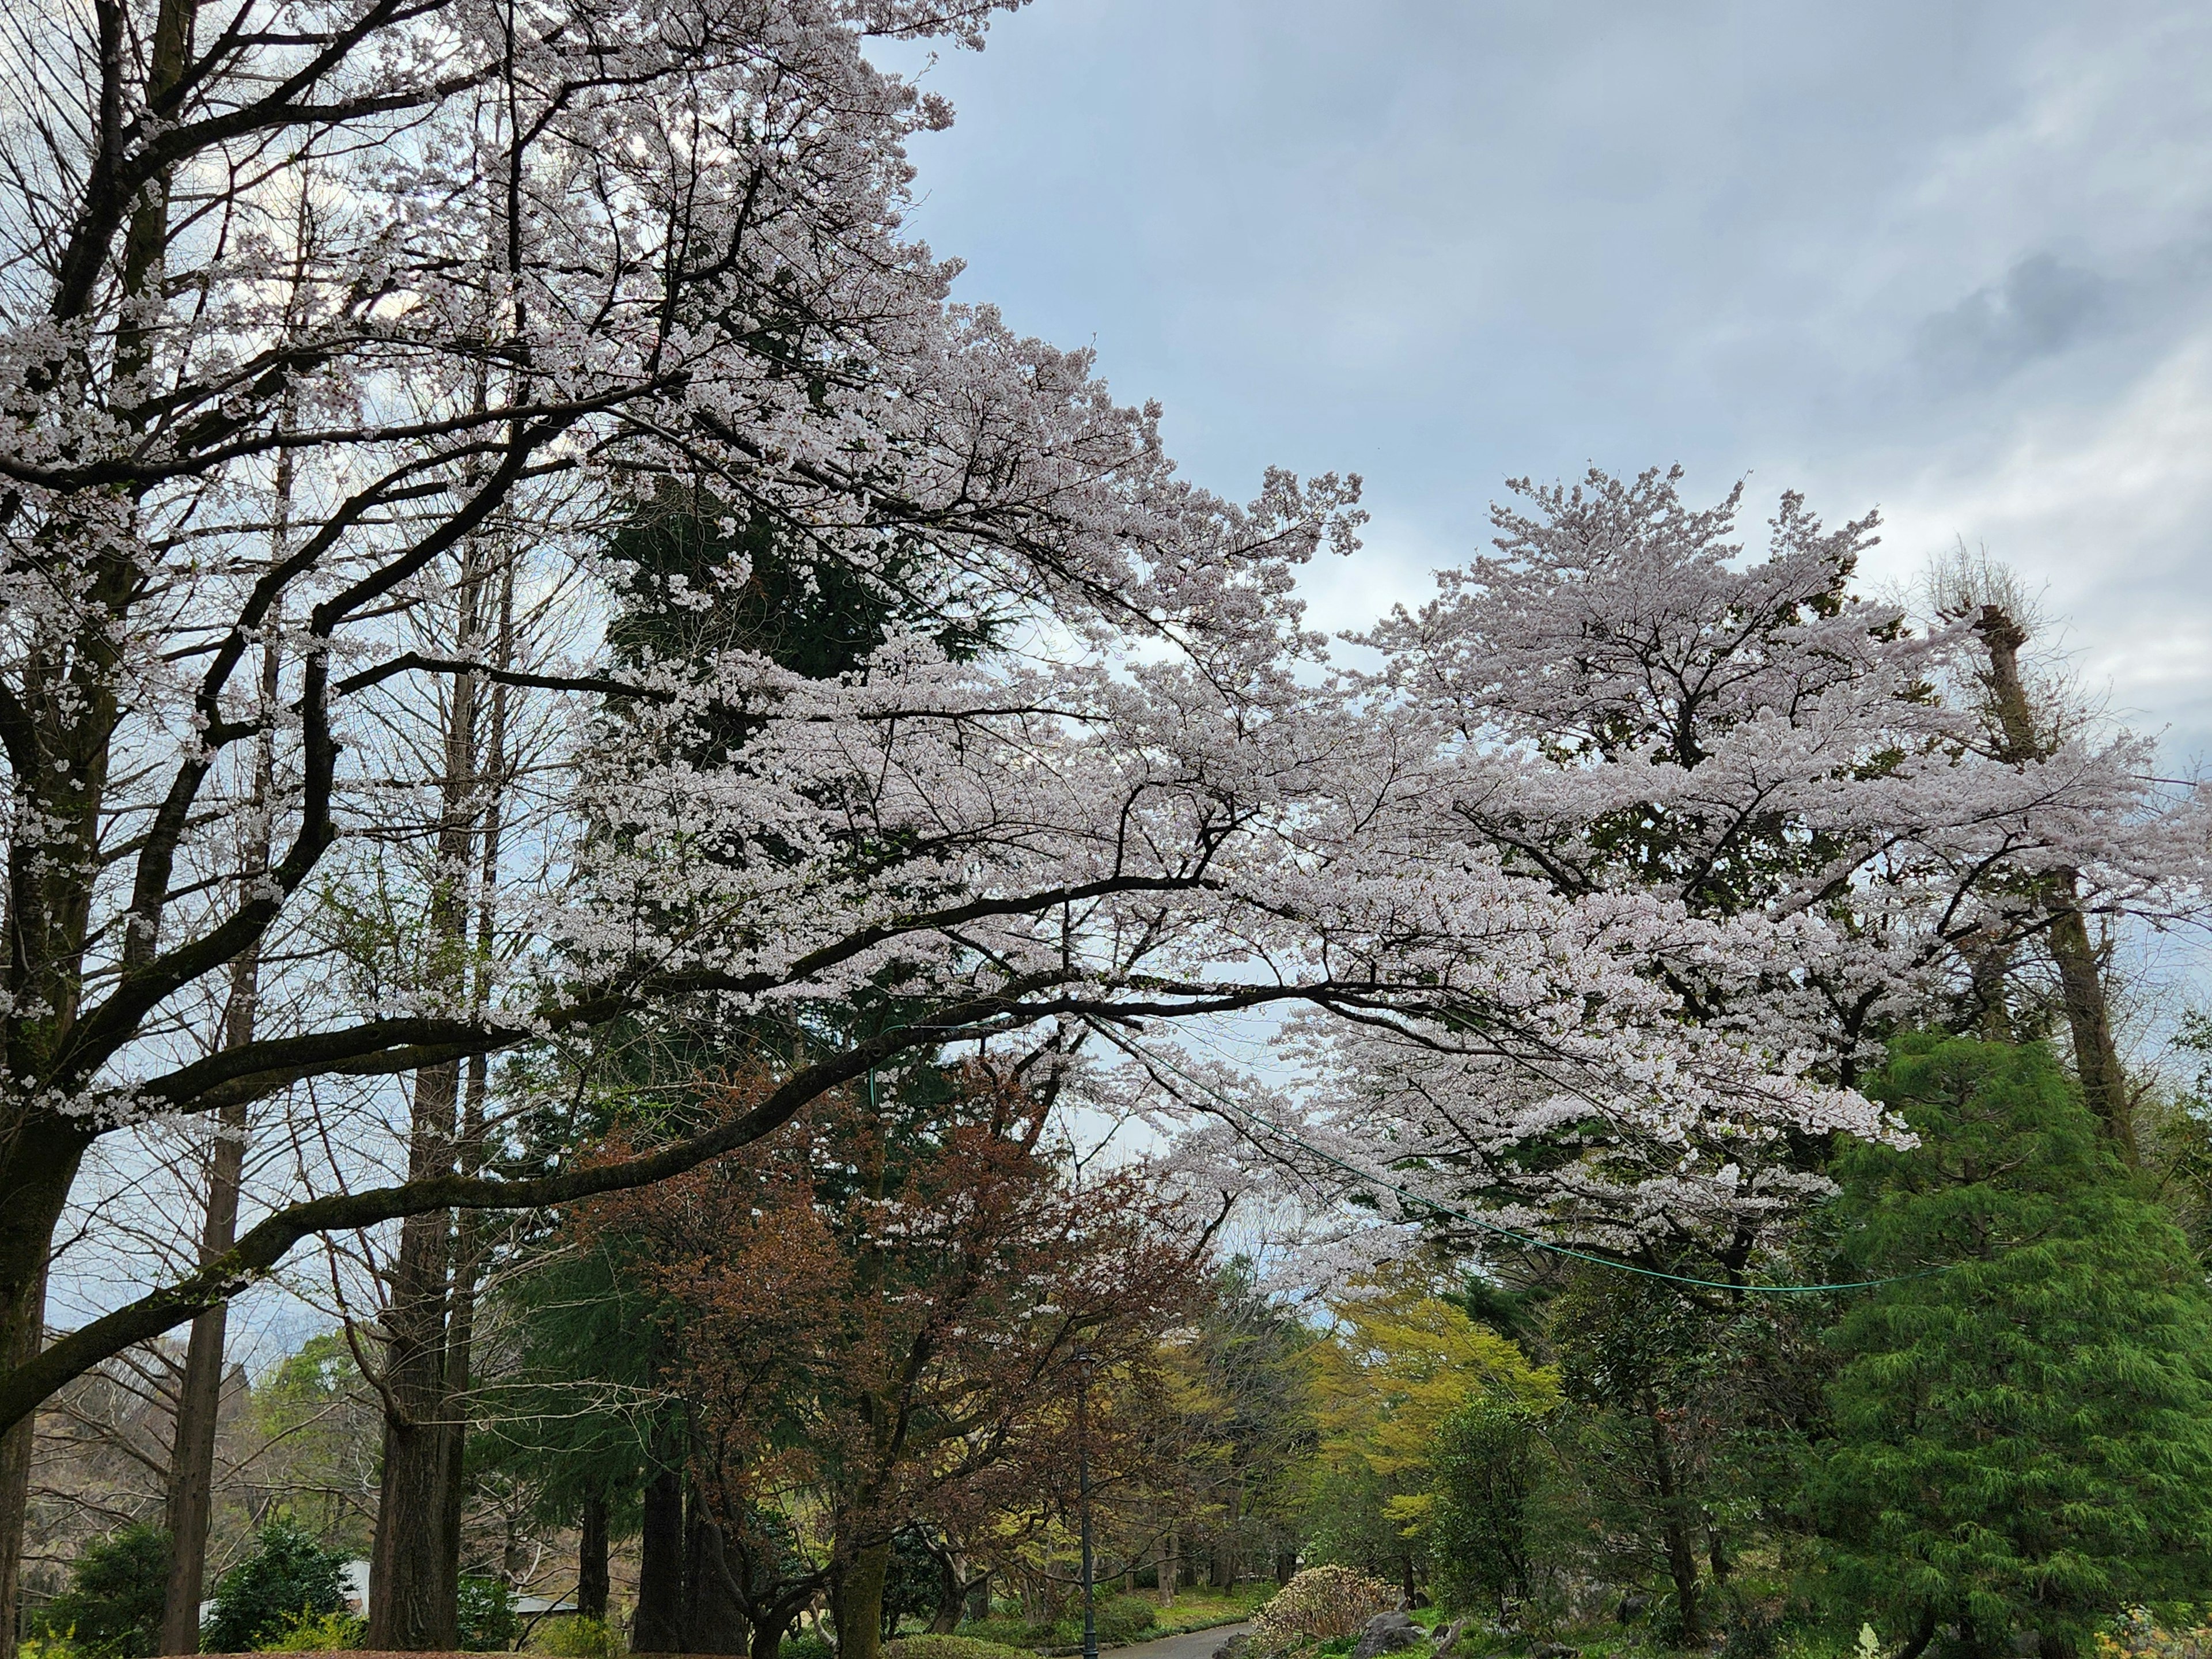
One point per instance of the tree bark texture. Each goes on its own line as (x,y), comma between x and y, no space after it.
(412,1598)
(856,1601)
(592,1558)
(658,1627)
(1674,1531)
(414,1585)
(951,1595)
(24,1313)
(199,1406)
(431,1316)
(2081,975)
(713,1621)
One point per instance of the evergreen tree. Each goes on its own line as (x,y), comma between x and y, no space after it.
(2023,1422)
(112,1606)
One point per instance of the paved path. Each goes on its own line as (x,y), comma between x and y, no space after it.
(1191,1644)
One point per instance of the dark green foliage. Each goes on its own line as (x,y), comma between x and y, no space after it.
(798,604)
(1347,1526)
(487,1615)
(112,1606)
(288,1574)
(1646,1367)
(1488,1465)
(695,585)
(912,1581)
(2023,1441)
(1119,1618)
(567,1417)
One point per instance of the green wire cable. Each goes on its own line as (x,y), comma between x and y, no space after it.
(1526,1240)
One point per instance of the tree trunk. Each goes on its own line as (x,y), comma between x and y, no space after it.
(199,1392)
(1168,1568)
(659,1625)
(416,1582)
(2088,1018)
(461,1341)
(713,1621)
(2081,977)
(486,780)
(767,1640)
(951,1595)
(412,1593)
(199,1405)
(1675,1532)
(1922,1636)
(592,1558)
(856,1602)
(40,1168)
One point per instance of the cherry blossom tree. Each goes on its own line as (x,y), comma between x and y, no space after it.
(324,320)
(1786,813)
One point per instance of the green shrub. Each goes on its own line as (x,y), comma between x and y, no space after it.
(112,1606)
(486,1610)
(288,1579)
(328,1632)
(808,1646)
(1119,1618)
(1005,1630)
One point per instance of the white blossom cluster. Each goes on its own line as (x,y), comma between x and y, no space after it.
(322,323)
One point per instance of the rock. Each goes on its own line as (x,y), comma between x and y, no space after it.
(1633,1607)
(1448,1635)
(1554,1650)
(1387,1633)
(1235,1647)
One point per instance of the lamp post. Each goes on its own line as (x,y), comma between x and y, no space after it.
(1084,1360)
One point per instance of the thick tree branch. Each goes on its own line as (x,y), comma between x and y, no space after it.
(258,1253)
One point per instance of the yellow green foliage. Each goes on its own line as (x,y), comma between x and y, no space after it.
(1402,1359)
(328,1632)
(578,1638)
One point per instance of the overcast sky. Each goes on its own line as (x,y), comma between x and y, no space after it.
(1951,260)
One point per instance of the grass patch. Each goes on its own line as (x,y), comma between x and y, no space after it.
(1122,1620)
(953,1647)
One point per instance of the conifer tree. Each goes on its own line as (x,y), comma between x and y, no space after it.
(2023,1419)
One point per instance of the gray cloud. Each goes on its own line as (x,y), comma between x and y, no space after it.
(2042,307)
(1948,260)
